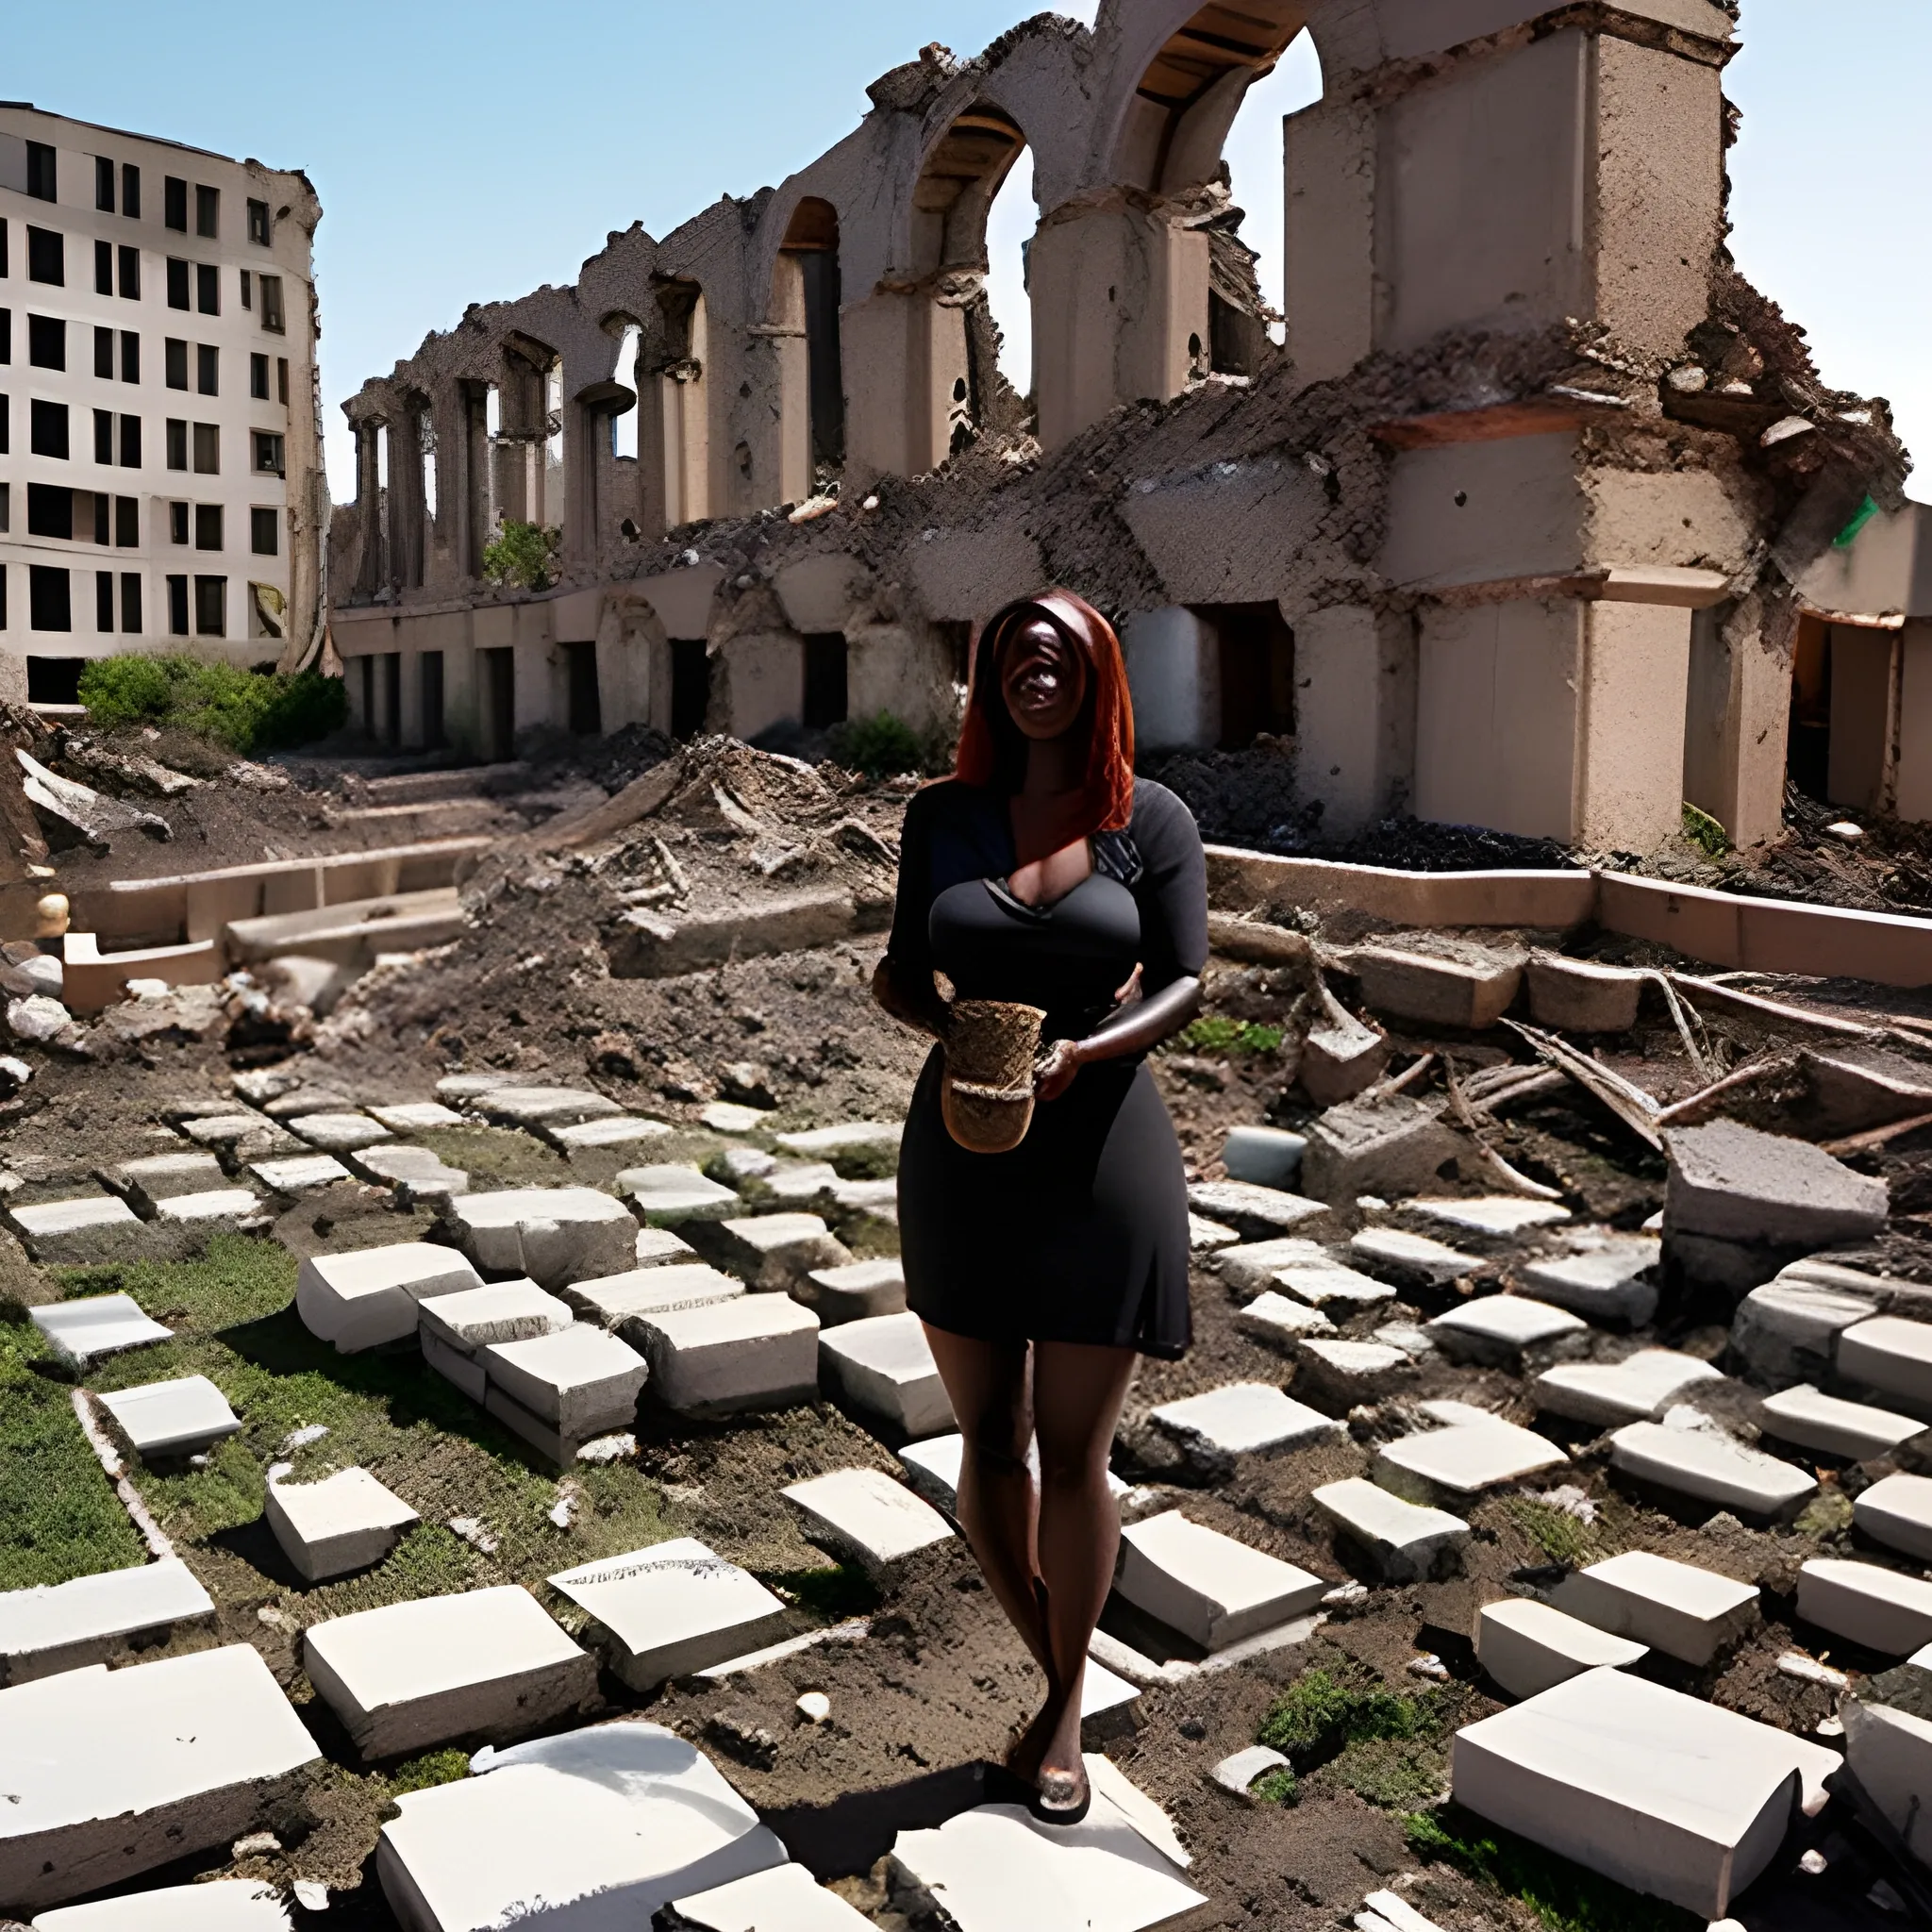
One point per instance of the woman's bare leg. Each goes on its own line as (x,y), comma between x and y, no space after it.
(1078,1393)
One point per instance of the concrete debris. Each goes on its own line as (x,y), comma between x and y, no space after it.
(1452,984)
(95,1620)
(1214,1591)
(348,1522)
(1732,1183)
(1691,1614)
(1529,1648)
(1580,997)
(1388,1147)
(1408,1543)
(73,813)
(864,1514)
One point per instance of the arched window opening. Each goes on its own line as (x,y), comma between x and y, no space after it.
(1009,226)
(810,253)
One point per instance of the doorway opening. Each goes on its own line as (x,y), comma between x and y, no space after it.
(825,691)
(691,687)
(499,707)
(585,702)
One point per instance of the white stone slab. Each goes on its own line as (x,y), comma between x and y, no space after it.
(620,1130)
(415,1116)
(547,1107)
(1890,1355)
(774,1251)
(337,1133)
(1787,1331)
(1327,1284)
(1249,1266)
(883,1367)
(181,1417)
(1529,1647)
(758,1351)
(84,1332)
(1277,1317)
(673,1609)
(347,1522)
(1412,1257)
(846,1137)
(1897,1511)
(1235,1774)
(255,1131)
(1890,1752)
(417,1175)
(411,1675)
(1242,1419)
(1409,1543)
(797,1182)
(1394,1913)
(219,1203)
(1671,1796)
(1207,1237)
(1457,1464)
(1877,1608)
(581,1380)
(1708,1466)
(298,1173)
(64,1627)
(465,1370)
(366,1299)
(854,1290)
(594,1831)
(657,1247)
(129,1769)
(1495,1329)
(46,1219)
(155,1176)
(1267,1157)
(222,1904)
(1685,1612)
(864,1513)
(1493,1214)
(1208,1587)
(1638,1387)
(1240,1204)
(619,1301)
(1353,1372)
(1603,1283)
(671,1196)
(498,1312)
(1812,1420)
(729,1117)
(468,1086)
(785,1899)
(553,1235)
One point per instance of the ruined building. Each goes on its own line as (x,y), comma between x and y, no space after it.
(160,461)
(1537,521)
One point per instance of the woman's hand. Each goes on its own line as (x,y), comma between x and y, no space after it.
(1055,1073)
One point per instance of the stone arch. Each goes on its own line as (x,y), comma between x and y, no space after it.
(803,333)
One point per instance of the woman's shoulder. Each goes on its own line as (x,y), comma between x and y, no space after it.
(1161,822)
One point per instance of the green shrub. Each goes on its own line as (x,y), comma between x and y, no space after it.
(880,746)
(1704,832)
(1318,1713)
(522,556)
(1276,1787)
(1215,1033)
(248,711)
(426,1772)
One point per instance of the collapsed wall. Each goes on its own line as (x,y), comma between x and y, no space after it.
(1526,525)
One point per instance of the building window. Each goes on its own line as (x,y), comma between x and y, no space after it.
(211,607)
(3,247)
(6,335)
(130,442)
(257,378)
(101,518)
(5,428)
(272,318)
(207,287)
(131,602)
(128,522)
(104,600)
(265,532)
(282,380)
(3,591)
(104,184)
(49,598)
(175,202)
(178,283)
(267,452)
(207,526)
(208,369)
(177,522)
(50,510)
(130,355)
(104,354)
(47,433)
(259,231)
(207,212)
(47,257)
(175,362)
(103,268)
(40,172)
(131,191)
(207,450)
(178,444)
(5,509)
(178,607)
(130,273)
(46,341)
(104,436)
(247,294)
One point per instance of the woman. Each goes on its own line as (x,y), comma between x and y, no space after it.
(1046,874)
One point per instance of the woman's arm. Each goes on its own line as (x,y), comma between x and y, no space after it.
(1137,1027)
(899,992)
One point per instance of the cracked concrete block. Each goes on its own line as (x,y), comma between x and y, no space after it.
(545,1107)
(180,1417)
(671,1196)
(785,1899)
(1580,997)
(92,1228)
(853,1291)
(1268,1157)
(339,1133)
(619,1130)
(1212,1589)
(620,1302)
(499,1312)
(726,1358)
(64,1627)
(1349,1373)
(1409,1543)
(552,1235)
(88,1330)
(772,1251)
(673,1609)
(301,1173)
(1878,1608)
(1712,1467)
(1249,1209)
(1244,1419)
(1386,1147)
(1810,1420)
(1411,1257)
(147,1182)
(1500,1215)
(1458,1464)
(1897,1511)
(247,1136)
(1277,1319)
(1207,1236)
(366,1299)
(883,1366)
(1249,1266)
(415,1116)
(1787,1331)
(601,1827)
(1638,1389)
(219,1203)
(1685,1612)
(657,1247)
(137,1768)
(864,1513)
(1603,1283)
(1673,1797)
(489,1663)
(1464,986)
(1529,1648)
(348,1522)
(578,1379)
(1341,1056)
(417,1175)
(221,1905)
(1506,1331)
(1892,1356)
(1325,1283)
(1729,1182)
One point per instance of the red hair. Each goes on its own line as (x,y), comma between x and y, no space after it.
(991,751)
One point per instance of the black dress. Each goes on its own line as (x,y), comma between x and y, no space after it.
(1080,1233)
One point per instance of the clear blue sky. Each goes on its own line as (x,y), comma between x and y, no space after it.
(470,152)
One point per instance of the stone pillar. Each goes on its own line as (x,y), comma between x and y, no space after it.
(1355,679)
(1914,799)
(369,509)
(907,355)
(1738,718)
